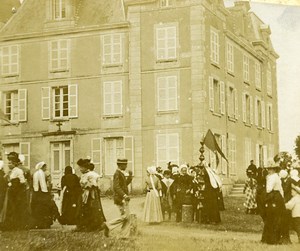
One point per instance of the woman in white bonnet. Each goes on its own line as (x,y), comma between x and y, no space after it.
(152,208)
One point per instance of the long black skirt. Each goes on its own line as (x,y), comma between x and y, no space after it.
(210,210)
(91,213)
(70,207)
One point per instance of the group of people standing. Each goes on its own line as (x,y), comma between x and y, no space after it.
(170,190)
(274,193)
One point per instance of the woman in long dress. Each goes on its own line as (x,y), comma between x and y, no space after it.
(91,216)
(41,203)
(71,197)
(152,208)
(250,190)
(274,207)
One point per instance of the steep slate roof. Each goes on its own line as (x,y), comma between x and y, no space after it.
(31,16)
(6,9)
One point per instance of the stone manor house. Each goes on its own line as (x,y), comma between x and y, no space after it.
(141,79)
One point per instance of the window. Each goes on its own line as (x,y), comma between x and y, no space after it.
(15,105)
(21,148)
(232,153)
(248,151)
(166,3)
(112,101)
(167,93)
(257,75)
(61,156)
(261,155)
(232,102)
(230,57)
(60,101)
(112,49)
(166,43)
(118,147)
(247,109)
(214,46)
(269,117)
(216,96)
(246,68)
(269,80)
(167,149)
(59,55)
(258,112)
(58,9)
(10,60)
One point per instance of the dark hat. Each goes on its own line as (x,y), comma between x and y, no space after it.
(13,156)
(167,172)
(84,163)
(122,161)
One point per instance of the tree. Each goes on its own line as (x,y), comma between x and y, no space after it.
(297,146)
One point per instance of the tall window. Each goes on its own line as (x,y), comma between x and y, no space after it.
(261,155)
(15,105)
(257,75)
(246,68)
(112,101)
(166,43)
(61,157)
(216,96)
(258,112)
(114,149)
(247,109)
(112,49)
(166,3)
(230,57)
(269,117)
(167,93)
(9,60)
(232,102)
(167,149)
(59,9)
(59,102)
(214,46)
(59,55)
(248,151)
(232,153)
(269,80)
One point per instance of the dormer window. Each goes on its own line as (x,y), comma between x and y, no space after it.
(58,9)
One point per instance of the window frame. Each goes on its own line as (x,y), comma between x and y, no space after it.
(59,59)
(112,93)
(230,57)
(168,100)
(246,68)
(111,46)
(214,46)
(9,57)
(166,147)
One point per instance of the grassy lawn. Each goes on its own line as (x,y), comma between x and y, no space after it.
(238,232)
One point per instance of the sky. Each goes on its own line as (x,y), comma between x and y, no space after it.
(284,22)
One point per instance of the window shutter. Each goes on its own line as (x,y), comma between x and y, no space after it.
(251,110)
(211,94)
(236,105)
(22,103)
(271,118)
(257,155)
(96,154)
(268,117)
(46,102)
(25,150)
(117,97)
(73,101)
(265,155)
(129,152)
(256,112)
(228,101)
(263,114)
(224,150)
(222,96)
(244,107)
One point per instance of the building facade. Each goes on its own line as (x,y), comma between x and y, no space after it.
(143,80)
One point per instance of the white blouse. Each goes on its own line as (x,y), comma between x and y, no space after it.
(274,183)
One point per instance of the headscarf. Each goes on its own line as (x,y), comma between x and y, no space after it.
(183,166)
(68,170)
(39,165)
(151,170)
(283,174)
(294,175)
(1,164)
(175,170)
(39,178)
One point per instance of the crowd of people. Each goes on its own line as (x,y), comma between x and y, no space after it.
(171,189)
(274,193)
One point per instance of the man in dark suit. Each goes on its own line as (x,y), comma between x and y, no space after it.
(121,181)
(252,167)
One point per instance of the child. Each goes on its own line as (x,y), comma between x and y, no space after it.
(168,193)
(250,190)
(294,205)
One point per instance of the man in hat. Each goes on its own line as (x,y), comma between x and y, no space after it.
(252,168)
(121,180)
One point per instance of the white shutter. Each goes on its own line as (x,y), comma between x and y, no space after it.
(271,118)
(73,101)
(25,150)
(228,101)
(211,94)
(222,97)
(129,152)
(244,107)
(46,102)
(224,150)
(256,112)
(236,105)
(96,154)
(257,155)
(263,114)
(251,110)
(265,155)
(22,104)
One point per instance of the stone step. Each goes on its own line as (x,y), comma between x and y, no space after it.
(239,185)
(237,195)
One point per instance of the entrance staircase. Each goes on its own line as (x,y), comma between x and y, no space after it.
(237,190)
